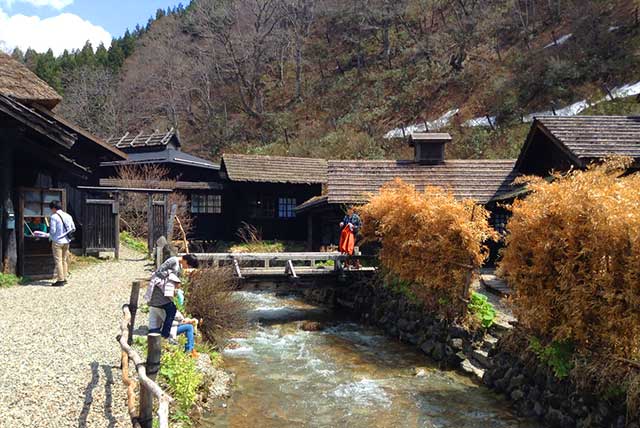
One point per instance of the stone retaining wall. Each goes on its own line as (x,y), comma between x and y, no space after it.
(532,388)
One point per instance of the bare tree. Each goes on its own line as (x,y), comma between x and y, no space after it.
(299,15)
(134,206)
(90,100)
(243,34)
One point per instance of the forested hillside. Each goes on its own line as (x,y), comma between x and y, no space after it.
(329,78)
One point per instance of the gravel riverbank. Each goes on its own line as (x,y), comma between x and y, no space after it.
(59,361)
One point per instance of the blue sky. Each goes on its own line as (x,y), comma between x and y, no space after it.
(60,24)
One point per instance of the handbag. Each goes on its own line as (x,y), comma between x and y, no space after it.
(69,234)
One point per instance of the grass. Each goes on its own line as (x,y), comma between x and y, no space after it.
(8,280)
(179,371)
(260,247)
(133,243)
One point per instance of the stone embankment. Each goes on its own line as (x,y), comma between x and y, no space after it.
(531,387)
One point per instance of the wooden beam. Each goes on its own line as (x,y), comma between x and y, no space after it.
(154,350)
(290,269)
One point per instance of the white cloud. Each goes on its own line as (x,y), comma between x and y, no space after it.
(56,4)
(60,32)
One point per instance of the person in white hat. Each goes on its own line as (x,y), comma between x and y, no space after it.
(162,299)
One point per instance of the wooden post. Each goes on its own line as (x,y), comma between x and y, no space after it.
(153,364)
(174,211)
(116,211)
(133,308)
(150,225)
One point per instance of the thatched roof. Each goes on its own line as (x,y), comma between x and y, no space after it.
(353,182)
(274,169)
(18,82)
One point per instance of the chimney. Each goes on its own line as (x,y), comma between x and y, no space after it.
(429,147)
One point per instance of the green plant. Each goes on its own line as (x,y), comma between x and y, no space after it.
(180,373)
(325,264)
(8,280)
(481,308)
(133,243)
(557,355)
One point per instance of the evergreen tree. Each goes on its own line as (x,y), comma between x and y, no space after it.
(31,59)
(116,55)
(48,70)
(102,56)
(17,54)
(86,56)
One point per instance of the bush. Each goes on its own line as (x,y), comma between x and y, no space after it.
(573,259)
(429,239)
(482,309)
(211,299)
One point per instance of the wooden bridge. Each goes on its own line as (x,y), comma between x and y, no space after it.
(284,270)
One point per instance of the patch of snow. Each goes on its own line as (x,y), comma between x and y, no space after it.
(434,125)
(559,41)
(574,109)
(481,121)
(627,90)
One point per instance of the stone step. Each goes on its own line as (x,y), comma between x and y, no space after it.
(482,357)
(472,368)
(489,342)
(495,285)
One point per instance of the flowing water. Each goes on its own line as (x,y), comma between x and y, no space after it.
(347,375)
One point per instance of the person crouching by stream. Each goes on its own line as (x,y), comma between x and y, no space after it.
(163,285)
(180,325)
(350,226)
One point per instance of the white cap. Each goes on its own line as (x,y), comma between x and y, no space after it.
(174,278)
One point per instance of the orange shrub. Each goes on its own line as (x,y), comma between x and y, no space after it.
(430,240)
(573,259)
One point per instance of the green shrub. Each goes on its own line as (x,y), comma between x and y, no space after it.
(556,355)
(180,373)
(482,309)
(133,243)
(8,280)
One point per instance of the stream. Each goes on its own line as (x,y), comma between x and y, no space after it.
(347,375)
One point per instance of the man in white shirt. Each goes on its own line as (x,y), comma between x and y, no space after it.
(61,225)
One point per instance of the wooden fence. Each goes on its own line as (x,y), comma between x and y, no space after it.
(142,417)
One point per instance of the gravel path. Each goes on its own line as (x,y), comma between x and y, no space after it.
(59,361)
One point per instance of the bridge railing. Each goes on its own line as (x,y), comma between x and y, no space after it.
(291,263)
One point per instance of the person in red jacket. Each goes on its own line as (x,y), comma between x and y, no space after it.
(350,226)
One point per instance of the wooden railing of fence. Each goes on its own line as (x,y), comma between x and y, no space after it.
(142,417)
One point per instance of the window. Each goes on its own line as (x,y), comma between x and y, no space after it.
(206,204)
(36,201)
(262,206)
(286,207)
(499,222)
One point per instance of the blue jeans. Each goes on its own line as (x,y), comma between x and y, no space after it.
(187,329)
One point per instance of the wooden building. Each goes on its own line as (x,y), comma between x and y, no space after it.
(264,191)
(42,158)
(560,143)
(353,182)
(197,178)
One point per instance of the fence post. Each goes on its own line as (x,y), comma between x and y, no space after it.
(133,308)
(150,223)
(152,366)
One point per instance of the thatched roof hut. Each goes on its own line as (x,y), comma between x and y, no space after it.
(18,82)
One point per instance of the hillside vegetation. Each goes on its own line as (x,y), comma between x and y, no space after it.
(330,78)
